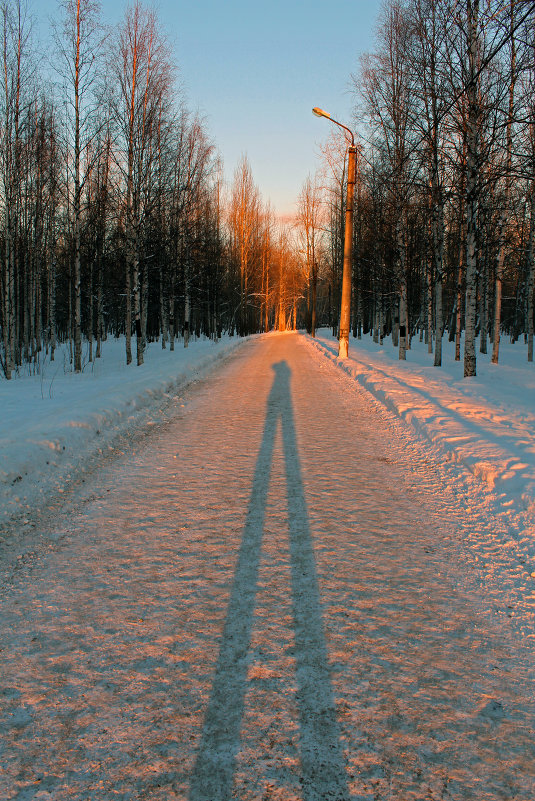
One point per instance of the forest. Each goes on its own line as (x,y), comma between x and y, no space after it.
(115,219)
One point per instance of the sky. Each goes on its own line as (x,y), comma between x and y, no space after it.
(255,71)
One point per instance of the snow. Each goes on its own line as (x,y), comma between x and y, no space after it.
(281,590)
(54,423)
(486,424)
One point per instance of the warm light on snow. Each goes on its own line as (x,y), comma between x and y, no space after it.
(286,580)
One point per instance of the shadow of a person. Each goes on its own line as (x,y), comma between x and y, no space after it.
(322,764)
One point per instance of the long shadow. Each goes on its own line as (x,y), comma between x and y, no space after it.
(322,763)
(473,427)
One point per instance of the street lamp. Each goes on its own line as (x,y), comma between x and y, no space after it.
(345,308)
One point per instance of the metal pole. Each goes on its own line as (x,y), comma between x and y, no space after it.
(345,309)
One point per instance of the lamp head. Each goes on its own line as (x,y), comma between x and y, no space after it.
(320,113)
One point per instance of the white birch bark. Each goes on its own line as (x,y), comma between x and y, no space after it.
(438,252)
(52,306)
(429,327)
(402,281)
(531,272)
(187,306)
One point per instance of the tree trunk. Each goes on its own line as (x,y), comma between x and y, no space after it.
(187,308)
(531,273)
(164,324)
(137,304)
(471,277)
(314,293)
(52,305)
(266,324)
(172,311)
(128,312)
(429,329)
(90,322)
(472,188)
(402,280)
(7,315)
(483,303)
(438,249)
(500,259)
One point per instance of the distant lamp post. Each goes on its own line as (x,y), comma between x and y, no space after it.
(345,308)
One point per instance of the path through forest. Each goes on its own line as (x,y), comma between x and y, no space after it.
(265,597)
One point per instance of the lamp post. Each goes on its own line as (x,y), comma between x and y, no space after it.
(345,307)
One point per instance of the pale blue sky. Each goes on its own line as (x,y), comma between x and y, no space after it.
(255,70)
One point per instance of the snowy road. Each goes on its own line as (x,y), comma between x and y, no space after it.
(265,597)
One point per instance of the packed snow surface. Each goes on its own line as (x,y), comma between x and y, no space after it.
(486,423)
(280,590)
(55,421)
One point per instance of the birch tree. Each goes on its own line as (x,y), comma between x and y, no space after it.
(244,219)
(429,79)
(506,195)
(141,64)
(528,165)
(79,41)
(310,234)
(470,24)
(388,91)
(16,76)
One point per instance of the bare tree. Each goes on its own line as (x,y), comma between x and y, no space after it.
(430,67)
(15,79)
(244,223)
(310,233)
(334,175)
(388,91)
(506,195)
(143,71)
(79,42)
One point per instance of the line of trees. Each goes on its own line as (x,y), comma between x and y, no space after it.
(114,219)
(445,200)
(113,215)
(445,213)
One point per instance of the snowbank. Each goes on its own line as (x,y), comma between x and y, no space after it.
(486,423)
(52,423)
